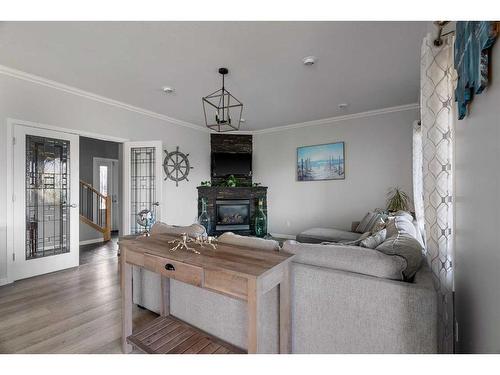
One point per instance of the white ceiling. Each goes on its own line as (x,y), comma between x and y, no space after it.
(369,65)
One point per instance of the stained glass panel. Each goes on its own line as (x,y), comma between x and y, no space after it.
(142,184)
(47,197)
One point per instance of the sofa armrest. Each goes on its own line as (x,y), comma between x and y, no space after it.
(335,311)
(354,225)
(348,258)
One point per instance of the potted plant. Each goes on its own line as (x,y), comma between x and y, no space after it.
(397,200)
(231,181)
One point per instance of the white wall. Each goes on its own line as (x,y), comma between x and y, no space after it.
(378,154)
(24,100)
(477,249)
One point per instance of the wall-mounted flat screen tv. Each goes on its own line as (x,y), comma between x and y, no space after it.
(226,164)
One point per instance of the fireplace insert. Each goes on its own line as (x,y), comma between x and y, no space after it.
(232,214)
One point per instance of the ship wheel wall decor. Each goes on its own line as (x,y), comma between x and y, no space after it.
(176,166)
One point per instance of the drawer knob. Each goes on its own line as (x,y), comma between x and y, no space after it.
(169,267)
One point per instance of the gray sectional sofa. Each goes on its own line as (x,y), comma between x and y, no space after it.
(345,299)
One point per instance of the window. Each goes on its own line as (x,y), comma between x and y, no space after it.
(103,183)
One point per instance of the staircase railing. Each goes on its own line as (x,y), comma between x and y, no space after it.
(95,209)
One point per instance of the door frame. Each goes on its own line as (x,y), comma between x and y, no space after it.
(11,122)
(115,170)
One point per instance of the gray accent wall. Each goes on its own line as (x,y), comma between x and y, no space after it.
(378,155)
(89,149)
(477,250)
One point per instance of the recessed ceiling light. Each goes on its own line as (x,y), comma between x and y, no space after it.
(343,105)
(242,120)
(168,90)
(309,60)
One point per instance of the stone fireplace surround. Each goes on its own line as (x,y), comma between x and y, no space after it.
(237,144)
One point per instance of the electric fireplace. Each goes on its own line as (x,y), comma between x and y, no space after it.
(232,214)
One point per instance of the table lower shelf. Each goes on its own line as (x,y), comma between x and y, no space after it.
(169,335)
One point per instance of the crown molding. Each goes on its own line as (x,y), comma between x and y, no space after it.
(95,97)
(102,99)
(331,120)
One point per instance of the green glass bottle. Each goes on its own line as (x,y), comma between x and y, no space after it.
(204,219)
(260,220)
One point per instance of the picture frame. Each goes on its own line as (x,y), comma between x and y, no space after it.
(321,162)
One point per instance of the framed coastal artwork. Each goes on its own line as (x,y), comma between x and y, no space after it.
(321,162)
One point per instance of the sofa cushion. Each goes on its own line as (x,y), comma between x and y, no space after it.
(191,230)
(366,224)
(401,225)
(407,247)
(404,214)
(348,258)
(348,242)
(253,242)
(374,240)
(318,235)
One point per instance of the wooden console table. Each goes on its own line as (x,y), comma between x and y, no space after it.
(238,272)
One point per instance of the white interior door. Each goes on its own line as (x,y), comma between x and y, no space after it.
(105,180)
(45,185)
(142,182)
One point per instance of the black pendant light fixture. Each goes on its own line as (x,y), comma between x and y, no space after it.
(222,110)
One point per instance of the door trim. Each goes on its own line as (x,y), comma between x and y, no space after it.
(11,122)
(81,133)
(10,206)
(95,161)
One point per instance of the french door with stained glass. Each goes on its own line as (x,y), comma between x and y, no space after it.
(142,181)
(142,190)
(45,186)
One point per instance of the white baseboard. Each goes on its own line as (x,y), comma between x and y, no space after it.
(4,281)
(287,236)
(94,240)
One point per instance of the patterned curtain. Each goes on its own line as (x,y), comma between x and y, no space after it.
(437,79)
(418,182)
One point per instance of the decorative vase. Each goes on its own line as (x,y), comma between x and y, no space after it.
(204,219)
(260,220)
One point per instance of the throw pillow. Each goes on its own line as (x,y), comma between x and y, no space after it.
(400,224)
(407,247)
(378,226)
(404,214)
(374,240)
(367,223)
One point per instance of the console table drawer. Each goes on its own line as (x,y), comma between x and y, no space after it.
(175,270)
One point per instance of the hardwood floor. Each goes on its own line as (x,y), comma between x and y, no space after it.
(94,253)
(71,311)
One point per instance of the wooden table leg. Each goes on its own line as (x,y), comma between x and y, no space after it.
(165,296)
(253,316)
(285,312)
(126,286)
